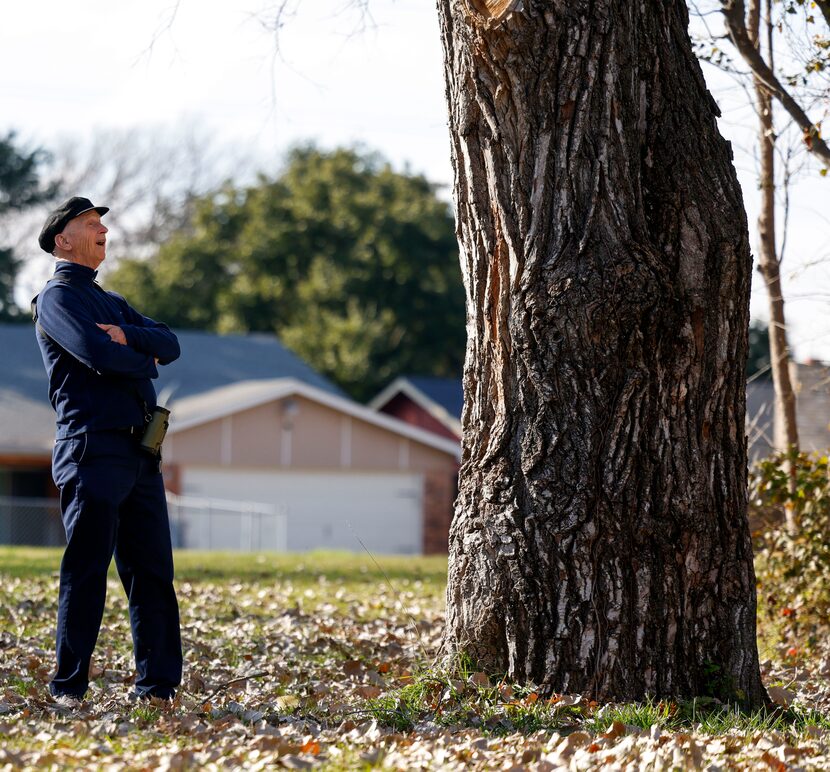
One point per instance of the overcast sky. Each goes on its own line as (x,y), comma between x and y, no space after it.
(69,68)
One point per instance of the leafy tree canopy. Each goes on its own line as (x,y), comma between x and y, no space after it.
(19,188)
(353,265)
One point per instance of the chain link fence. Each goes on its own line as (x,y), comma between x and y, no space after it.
(205,524)
(28,521)
(211,524)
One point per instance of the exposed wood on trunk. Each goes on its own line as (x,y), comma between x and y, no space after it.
(600,542)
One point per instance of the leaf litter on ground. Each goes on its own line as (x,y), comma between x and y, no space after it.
(324,661)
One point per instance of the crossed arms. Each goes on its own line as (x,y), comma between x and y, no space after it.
(131,349)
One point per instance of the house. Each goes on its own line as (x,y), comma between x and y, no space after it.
(345,476)
(252,423)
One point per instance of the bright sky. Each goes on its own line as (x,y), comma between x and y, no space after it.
(67,68)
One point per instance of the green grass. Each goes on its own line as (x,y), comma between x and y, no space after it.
(446,700)
(303,568)
(288,624)
(145,714)
(453,698)
(707,716)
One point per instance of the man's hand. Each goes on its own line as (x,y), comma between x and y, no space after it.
(115,332)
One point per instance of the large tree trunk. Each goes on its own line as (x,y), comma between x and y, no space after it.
(600,542)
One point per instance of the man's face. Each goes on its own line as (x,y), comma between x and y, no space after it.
(85,235)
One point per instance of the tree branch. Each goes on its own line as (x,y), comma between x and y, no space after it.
(824,7)
(734,14)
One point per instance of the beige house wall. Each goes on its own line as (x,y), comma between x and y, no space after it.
(199,445)
(423,458)
(296,433)
(375,448)
(254,437)
(315,436)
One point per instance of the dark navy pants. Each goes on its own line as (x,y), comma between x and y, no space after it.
(112,501)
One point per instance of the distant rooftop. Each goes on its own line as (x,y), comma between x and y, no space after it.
(209,361)
(447,392)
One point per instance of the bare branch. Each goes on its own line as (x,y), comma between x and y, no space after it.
(165,27)
(282,11)
(785,186)
(824,7)
(734,14)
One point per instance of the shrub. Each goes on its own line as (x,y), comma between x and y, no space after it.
(792,569)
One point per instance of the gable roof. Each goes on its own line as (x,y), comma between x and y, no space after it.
(443,398)
(227,400)
(27,421)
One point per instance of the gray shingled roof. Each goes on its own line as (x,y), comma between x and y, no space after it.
(446,392)
(760,407)
(208,361)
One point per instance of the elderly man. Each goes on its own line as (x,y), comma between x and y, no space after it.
(100,355)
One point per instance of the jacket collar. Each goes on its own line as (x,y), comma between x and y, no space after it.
(68,270)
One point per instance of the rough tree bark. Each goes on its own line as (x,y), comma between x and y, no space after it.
(600,542)
(786,427)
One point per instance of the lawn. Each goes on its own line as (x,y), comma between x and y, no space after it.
(329,660)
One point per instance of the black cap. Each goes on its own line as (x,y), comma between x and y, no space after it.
(56,221)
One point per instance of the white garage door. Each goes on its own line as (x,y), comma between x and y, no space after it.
(326,511)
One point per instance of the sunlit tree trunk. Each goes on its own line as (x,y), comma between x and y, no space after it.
(600,542)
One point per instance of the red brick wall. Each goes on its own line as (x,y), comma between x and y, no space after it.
(440,490)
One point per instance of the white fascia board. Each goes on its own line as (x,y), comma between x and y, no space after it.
(284,387)
(386,395)
(269,391)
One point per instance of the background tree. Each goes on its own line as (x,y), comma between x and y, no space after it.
(785,45)
(742,25)
(352,264)
(149,177)
(758,357)
(20,188)
(600,542)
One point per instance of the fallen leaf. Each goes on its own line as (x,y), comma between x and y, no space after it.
(781,696)
(480,679)
(287,701)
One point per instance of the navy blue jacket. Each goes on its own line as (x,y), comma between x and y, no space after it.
(97,384)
